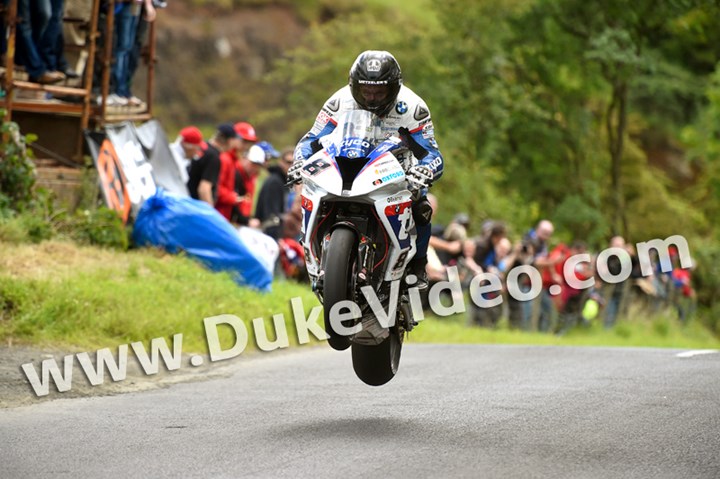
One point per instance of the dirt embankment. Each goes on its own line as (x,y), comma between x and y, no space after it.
(212,63)
(56,260)
(15,388)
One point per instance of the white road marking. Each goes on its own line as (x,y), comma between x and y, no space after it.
(697,352)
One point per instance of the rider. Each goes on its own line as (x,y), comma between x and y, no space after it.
(375,84)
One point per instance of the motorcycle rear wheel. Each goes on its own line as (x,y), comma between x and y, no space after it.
(377,365)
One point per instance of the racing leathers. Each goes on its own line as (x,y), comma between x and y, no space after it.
(409,119)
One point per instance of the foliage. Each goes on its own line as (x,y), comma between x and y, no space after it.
(17,171)
(706,280)
(702,140)
(27,213)
(100,227)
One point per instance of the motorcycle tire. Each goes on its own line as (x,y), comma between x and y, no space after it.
(338,283)
(376,365)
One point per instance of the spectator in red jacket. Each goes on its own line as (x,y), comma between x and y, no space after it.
(570,300)
(204,171)
(232,191)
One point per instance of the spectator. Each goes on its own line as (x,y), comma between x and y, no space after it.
(272,201)
(457,230)
(684,294)
(520,312)
(270,152)
(52,42)
(506,254)
(437,228)
(485,252)
(449,246)
(488,253)
(188,146)
(137,47)
(435,268)
(249,168)
(537,239)
(467,267)
(292,225)
(127,15)
(34,17)
(614,299)
(232,189)
(571,300)
(204,171)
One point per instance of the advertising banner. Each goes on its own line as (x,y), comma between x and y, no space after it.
(132,162)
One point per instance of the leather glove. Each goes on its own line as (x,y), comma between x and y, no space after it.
(293,174)
(419,177)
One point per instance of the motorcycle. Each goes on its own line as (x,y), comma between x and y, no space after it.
(359,236)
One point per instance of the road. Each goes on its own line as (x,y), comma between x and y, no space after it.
(452,411)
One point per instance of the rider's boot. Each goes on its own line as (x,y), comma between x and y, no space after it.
(417,267)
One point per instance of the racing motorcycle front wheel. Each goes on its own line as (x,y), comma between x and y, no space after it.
(339,279)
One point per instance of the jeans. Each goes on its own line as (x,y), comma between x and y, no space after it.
(135,54)
(52,44)
(613,306)
(125,28)
(520,312)
(40,14)
(546,311)
(572,313)
(34,16)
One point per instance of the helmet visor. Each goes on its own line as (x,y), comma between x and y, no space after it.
(374,96)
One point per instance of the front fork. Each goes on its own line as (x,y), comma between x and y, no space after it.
(365,254)
(364,276)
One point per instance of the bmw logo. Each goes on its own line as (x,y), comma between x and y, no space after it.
(401,107)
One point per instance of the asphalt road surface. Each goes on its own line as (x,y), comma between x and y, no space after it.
(452,411)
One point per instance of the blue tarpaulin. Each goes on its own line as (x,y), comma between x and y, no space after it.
(178,224)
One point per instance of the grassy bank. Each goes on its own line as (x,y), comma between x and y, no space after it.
(637,331)
(83,298)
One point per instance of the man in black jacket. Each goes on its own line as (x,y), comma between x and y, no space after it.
(272,201)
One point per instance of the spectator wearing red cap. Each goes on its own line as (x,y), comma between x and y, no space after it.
(232,190)
(246,132)
(188,146)
(204,171)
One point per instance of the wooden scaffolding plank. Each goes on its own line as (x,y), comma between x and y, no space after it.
(44,106)
(59,90)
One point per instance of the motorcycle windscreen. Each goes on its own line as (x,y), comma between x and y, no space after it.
(356,134)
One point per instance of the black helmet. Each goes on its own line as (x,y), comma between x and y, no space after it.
(374,67)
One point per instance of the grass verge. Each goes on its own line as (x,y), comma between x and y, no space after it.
(638,330)
(85,298)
